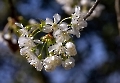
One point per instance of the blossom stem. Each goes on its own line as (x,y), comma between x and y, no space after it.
(33,32)
(65,19)
(36,33)
(39,56)
(47,49)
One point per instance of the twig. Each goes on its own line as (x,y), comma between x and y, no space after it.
(7,29)
(117,8)
(92,9)
(13,12)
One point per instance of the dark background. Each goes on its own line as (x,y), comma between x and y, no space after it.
(98,58)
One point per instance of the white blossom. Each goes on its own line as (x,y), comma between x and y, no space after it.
(39,65)
(62,50)
(33,21)
(23,31)
(50,24)
(77,22)
(37,41)
(25,41)
(49,67)
(19,25)
(68,63)
(31,57)
(24,51)
(62,35)
(57,60)
(58,48)
(49,63)
(65,2)
(70,49)
(67,5)
(85,2)
(36,63)
(68,9)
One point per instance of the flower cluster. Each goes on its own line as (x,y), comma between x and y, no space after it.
(26,44)
(60,48)
(69,5)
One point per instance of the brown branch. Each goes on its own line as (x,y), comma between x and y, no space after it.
(117,8)
(91,9)
(9,27)
(12,9)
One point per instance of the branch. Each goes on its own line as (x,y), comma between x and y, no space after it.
(117,8)
(91,9)
(12,8)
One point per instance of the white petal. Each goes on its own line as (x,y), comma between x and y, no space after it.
(23,41)
(33,21)
(57,60)
(24,51)
(63,27)
(49,68)
(57,18)
(23,32)
(68,63)
(82,24)
(85,2)
(19,25)
(57,33)
(47,29)
(68,9)
(49,64)
(72,59)
(30,56)
(66,37)
(77,32)
(49,21)
(77,9)
(51,48)
(39,65)
(70,49)
(69,45)
(60,39)
(38,41)
(71,31)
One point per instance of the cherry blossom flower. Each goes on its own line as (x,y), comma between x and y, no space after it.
(70,49)
(62,35)
(68,63)
(58,48)
(51,62)
(77,22)
(52,25)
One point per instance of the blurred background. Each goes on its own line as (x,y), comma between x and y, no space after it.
(98,58)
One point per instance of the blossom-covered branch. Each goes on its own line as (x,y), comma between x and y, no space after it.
(69,5)
(57,40)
